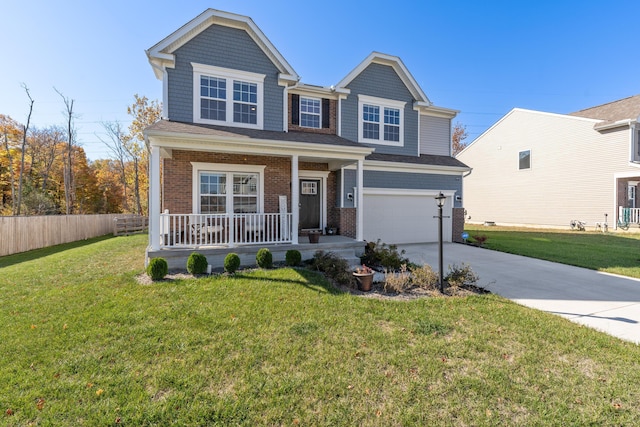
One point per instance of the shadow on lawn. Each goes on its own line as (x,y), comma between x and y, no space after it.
(35,254)
(310,279)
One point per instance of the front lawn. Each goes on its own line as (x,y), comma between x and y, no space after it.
(83,343)
(617,253)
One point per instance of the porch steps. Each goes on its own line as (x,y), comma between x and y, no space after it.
(346,248)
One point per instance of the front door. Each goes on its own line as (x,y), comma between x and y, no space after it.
(310,203)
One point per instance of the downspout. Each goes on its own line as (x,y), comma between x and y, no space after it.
(285,105)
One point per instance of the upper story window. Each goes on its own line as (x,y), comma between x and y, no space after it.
(524,158)
(227,97)
(310,113)
(381,121)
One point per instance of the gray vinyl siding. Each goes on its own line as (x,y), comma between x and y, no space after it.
(380,81)
(229,48)
(435,136)
(404,181)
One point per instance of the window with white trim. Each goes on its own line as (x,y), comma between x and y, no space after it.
(227,97)
(381,121)
(310,111)
(221,188)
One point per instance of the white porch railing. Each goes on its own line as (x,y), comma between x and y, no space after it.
(191,230)
(629,215)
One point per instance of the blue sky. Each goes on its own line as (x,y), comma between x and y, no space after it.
(480,57)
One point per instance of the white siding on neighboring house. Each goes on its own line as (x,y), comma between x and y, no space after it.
(571,175)
(435,135)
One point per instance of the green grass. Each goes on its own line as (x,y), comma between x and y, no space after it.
(613,253)
(82,343)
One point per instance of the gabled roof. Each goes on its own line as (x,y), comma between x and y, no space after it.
(627,109)
(161,54)
(400,69)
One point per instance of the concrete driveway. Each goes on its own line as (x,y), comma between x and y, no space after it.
(602,301)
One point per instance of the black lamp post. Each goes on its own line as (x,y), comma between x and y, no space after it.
(440,199)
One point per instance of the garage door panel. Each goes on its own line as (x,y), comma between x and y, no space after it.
(402,219)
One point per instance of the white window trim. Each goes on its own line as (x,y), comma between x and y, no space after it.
(229,169)
(381,103)
(300,112)
(230,75)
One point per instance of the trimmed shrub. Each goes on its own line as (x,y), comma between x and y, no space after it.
(264,258)
(231,263)
(157,268)
(293,257)
(334,266)
(197,263)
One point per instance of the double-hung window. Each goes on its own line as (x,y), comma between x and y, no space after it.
(310,113)
(222,188)
(381,121)
(227,97)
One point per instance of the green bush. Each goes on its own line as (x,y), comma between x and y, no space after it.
(334,267)
(461,276)
(157,268)
(293,257)
(264,258)
(231,263)
(197,263)
(385,256)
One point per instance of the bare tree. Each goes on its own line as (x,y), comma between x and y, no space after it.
(69,188)
(119,153)
(459,135)
(23,148)
(45,150)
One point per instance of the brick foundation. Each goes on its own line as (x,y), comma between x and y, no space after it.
(457,226)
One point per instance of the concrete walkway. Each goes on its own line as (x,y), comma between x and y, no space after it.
(602,301)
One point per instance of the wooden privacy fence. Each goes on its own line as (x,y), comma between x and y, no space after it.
(25,233)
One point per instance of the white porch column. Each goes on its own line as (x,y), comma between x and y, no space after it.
(295,199)
(154,199)
(360,201)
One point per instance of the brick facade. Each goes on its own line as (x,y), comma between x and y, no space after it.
(177,174)
(457,226)
(331,130)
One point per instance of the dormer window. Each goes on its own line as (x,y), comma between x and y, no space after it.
(227,97)
(310,113)
(381,121)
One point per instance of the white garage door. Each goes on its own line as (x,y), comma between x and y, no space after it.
(398,216)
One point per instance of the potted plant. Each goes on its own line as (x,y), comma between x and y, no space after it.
(364,277)
(314,236)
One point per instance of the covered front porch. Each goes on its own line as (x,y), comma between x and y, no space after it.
(176,256)
(223,189)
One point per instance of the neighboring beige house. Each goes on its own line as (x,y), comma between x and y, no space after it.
(540,169)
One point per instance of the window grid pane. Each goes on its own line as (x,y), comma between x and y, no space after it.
(310,113)
(245,108)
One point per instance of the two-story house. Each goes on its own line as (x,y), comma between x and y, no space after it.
(247,154)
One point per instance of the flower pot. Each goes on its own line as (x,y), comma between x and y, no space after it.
(365,280)
(314,236)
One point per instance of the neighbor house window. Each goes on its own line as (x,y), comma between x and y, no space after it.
(221,188)
(227,97)
(381,121)
(525,159)
(310,113)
